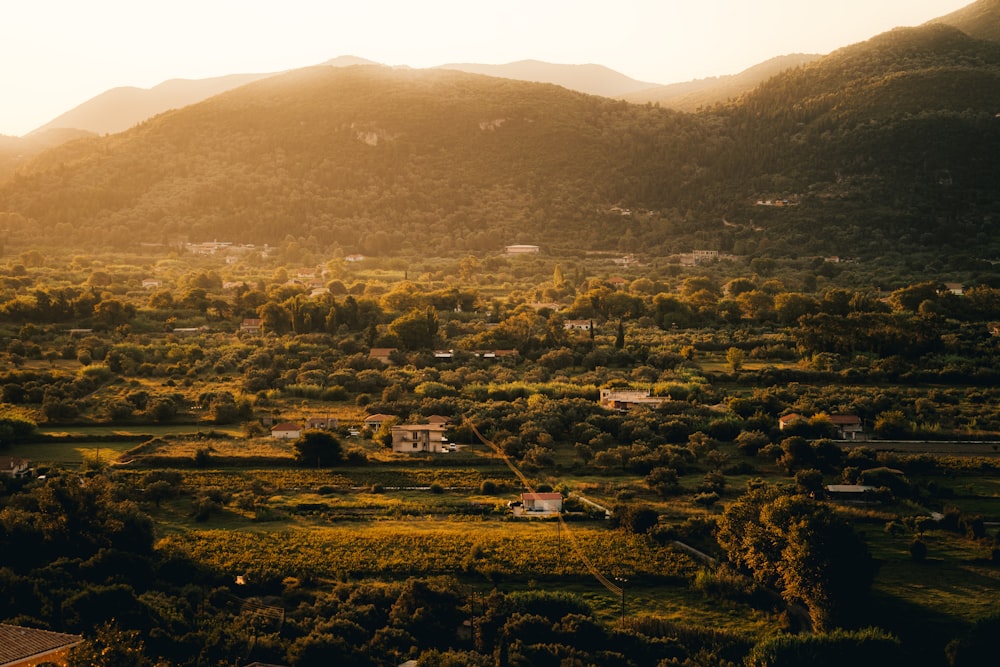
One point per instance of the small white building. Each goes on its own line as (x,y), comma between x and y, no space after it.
(522,250)
(286,431)
(542,502)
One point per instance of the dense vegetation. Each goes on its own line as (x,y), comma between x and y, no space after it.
(140,374)
(332,536)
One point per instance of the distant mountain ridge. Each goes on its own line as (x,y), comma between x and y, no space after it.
(702,93)
(590,79)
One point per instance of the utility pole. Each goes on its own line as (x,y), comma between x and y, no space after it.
(621,584)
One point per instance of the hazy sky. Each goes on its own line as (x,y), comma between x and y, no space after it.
(56,54)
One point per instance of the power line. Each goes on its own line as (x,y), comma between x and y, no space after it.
(604,581)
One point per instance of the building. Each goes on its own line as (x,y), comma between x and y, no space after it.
(27,647)
(784,421)
(322,423)
(286,431)
(624,400)
(14,467)
(849,427)
(375,422)
(251,325)
(438,419)
(542,502)
(419,438)
(578,325)
(522,250)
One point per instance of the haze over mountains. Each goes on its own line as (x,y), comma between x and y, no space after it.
(888,144)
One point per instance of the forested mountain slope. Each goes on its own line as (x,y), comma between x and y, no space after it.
(980,19)
(889,143)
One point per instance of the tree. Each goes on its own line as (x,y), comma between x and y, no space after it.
(416,329)
(802,548)
(317,448)
(110,647)
(735,357)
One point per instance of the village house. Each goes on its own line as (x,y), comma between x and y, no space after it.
(419,438)
(849,427)
(151,283)
(375,422)
(25,647)
(322,423)
(538,503)
(785,421)
(624,400)
(578,325)
(438,419)
(14,467)
(250,325)
(286,431)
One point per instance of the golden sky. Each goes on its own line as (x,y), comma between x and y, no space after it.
(57,54)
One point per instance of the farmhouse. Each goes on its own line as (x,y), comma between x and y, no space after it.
(286,431)
(321,423)
(624,400)
(785,421)
(542,502)
(13,467)
(251,325)
(849,427)
(418,438)
(578,325)
(374,422)
(26,647)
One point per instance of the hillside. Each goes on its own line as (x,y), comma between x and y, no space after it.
(981,19)
(703,93)
(366,157)
(892,143)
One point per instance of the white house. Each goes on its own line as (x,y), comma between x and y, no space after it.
(286,431)
(542,502)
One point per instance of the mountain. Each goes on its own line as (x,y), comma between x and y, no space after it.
(703,93)
(590,79)
(366,157)
(888,145)
(118,109)
(121,108)
(980,19)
